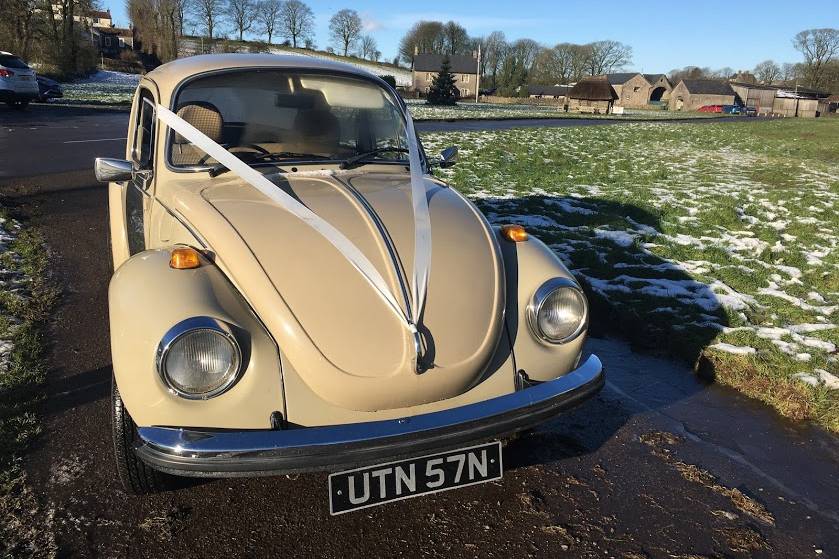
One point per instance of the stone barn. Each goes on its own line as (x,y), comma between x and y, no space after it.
(690,95)
(592,95)
(660,88)
(632,89)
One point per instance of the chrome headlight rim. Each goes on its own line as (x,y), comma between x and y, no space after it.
(541,296)
(188,326)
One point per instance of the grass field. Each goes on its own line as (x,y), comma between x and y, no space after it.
(715,242)
(26,296)
(476,111)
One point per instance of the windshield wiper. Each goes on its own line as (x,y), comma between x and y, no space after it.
(362,157)
(220,168)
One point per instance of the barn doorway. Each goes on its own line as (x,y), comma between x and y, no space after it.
(657,94)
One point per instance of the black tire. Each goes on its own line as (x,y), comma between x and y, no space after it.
(137,478)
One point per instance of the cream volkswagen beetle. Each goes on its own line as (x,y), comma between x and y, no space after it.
(296,291)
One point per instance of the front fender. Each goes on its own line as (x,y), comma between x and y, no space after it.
(146,298)
(528,265)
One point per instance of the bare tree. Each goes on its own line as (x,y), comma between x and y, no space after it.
(423,37)
(493,52)
(345,28)
(608,56)
(296,22)
(368,47)
(456,39)
(242,13)
(208,13)
(182,7)
(561,64)
(268,17)
(767,72)
(819,47)
(790,72)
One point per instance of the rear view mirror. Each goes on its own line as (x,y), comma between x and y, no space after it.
(448,157)
(113,170)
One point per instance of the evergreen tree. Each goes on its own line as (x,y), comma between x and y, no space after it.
(443,90)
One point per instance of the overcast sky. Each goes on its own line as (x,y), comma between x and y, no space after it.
(663,35)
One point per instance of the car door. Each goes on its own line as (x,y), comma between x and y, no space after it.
(140,189)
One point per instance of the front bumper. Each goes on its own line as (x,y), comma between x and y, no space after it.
(228,453)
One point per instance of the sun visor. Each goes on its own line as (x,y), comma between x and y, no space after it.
(347,94)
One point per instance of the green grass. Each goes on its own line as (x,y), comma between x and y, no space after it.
(477,111)
(686,236)
(25,301)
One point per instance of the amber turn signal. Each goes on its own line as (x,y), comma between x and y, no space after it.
(514,233)
(184,259)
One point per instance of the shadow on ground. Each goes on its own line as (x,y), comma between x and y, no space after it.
(633,294)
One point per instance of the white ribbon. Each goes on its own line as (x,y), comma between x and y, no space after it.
(422,234)
(422,225)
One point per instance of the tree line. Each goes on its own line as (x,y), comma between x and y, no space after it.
(160,23)
(47,31)
(509,65)
(819,68)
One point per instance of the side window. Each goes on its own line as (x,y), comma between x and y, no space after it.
(143,153)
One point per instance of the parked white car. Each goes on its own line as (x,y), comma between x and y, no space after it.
(18,85)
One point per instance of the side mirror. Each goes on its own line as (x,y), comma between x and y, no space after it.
(113,170)
(448,157)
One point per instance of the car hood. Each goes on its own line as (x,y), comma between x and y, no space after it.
(366,351)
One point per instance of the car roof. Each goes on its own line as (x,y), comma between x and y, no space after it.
(169,75)
(6,53)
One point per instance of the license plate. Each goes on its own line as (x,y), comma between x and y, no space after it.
(375,485)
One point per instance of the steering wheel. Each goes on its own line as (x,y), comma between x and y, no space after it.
(253,147)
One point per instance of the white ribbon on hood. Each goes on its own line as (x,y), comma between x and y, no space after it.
(422,220)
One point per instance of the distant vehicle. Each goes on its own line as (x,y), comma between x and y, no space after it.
(17,81)
(710,109)
(749,111)
(48,89)
(732,109)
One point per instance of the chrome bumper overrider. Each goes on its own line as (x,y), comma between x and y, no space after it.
(227,453)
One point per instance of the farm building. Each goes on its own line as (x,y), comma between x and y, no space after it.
(789,103)
(689,95)
(464,68)
(632,89)
(760,97)
(660,88)
(592,95)
(548,91)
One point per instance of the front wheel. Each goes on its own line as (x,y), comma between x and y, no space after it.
(137,478)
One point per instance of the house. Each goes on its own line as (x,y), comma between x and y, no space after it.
(632,89)
(759,97)
(464,68)
(689,94)
(548,91)
(113,40)
(592,95)
(660,88)
(92,18)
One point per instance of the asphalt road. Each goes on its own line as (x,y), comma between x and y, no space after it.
(76,135)
(657,465)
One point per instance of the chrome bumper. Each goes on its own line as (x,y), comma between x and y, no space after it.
(228,453)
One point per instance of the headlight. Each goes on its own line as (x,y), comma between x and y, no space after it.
(199,358)
(558,312)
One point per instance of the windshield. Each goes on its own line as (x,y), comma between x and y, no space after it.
(279,115)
